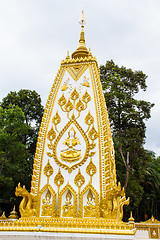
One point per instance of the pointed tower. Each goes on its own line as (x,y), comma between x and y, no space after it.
(74,186)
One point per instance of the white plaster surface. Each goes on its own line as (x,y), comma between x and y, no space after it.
(60,236)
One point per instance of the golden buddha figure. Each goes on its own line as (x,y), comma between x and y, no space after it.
(68,209)
(90,209)
(71,154)
(47,208)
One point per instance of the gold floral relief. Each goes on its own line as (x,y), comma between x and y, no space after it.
(62,100)
(86,97)
(71,154)
(59,179)
(68,106)
(79,179)
(89,119)
(93,134)
(74,95)
(51,135)
(89,202)
(56,119)
(47,208)
(80,106)
(91,168)
(68,208)
(48,169)
(90,208)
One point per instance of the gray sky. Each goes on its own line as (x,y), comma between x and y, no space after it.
(36,34)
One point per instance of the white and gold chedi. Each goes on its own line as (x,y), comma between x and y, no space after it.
(74,186)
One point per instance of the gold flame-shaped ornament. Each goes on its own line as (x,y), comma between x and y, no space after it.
(79,179)
(56,119)
(48,169)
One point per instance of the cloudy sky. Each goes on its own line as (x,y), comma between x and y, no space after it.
(36,34)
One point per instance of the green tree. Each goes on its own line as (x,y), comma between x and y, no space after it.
(14,164)
(20,117)
(30,103)
(127,117)
(150,204)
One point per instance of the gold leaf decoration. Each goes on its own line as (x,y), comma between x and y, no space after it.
(48,170)
(86,97)
(89,119)
(62,100)
(74,95)
(69,106)
(91,168)
(79,179)
(59,179)
(51,134)
(93,134)
(86,84)
(56,119)
(80,106)
(64,87)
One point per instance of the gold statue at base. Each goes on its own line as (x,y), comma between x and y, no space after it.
(68,209)
(47,208)
(90,209)
(26,206)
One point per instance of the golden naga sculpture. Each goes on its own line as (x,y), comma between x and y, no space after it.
(111,207)
(26,206)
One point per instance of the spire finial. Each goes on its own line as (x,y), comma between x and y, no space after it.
(82,20)
(81,51)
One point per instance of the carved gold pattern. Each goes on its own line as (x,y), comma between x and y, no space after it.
(77,70)
(86,83)
(68,208)
(89,119)
(51,134)
(86,97)
(47,204)
(63,210)
(65,85)
(91,170)
(70,154)
(93,134)
(80,106)
(90,208)
(68,106)
(54,150)
(59,179)
(56,119)
(47,208)
(74,95)
(83,211)
(88,225)
(48,170)
(62,100)
(79,179)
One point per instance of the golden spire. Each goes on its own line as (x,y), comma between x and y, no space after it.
(81,51)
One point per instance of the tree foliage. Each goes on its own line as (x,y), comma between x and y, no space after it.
(20,118)
(127,117)
(14,166)
(30,103)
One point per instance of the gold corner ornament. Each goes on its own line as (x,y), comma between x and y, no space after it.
(74,184)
